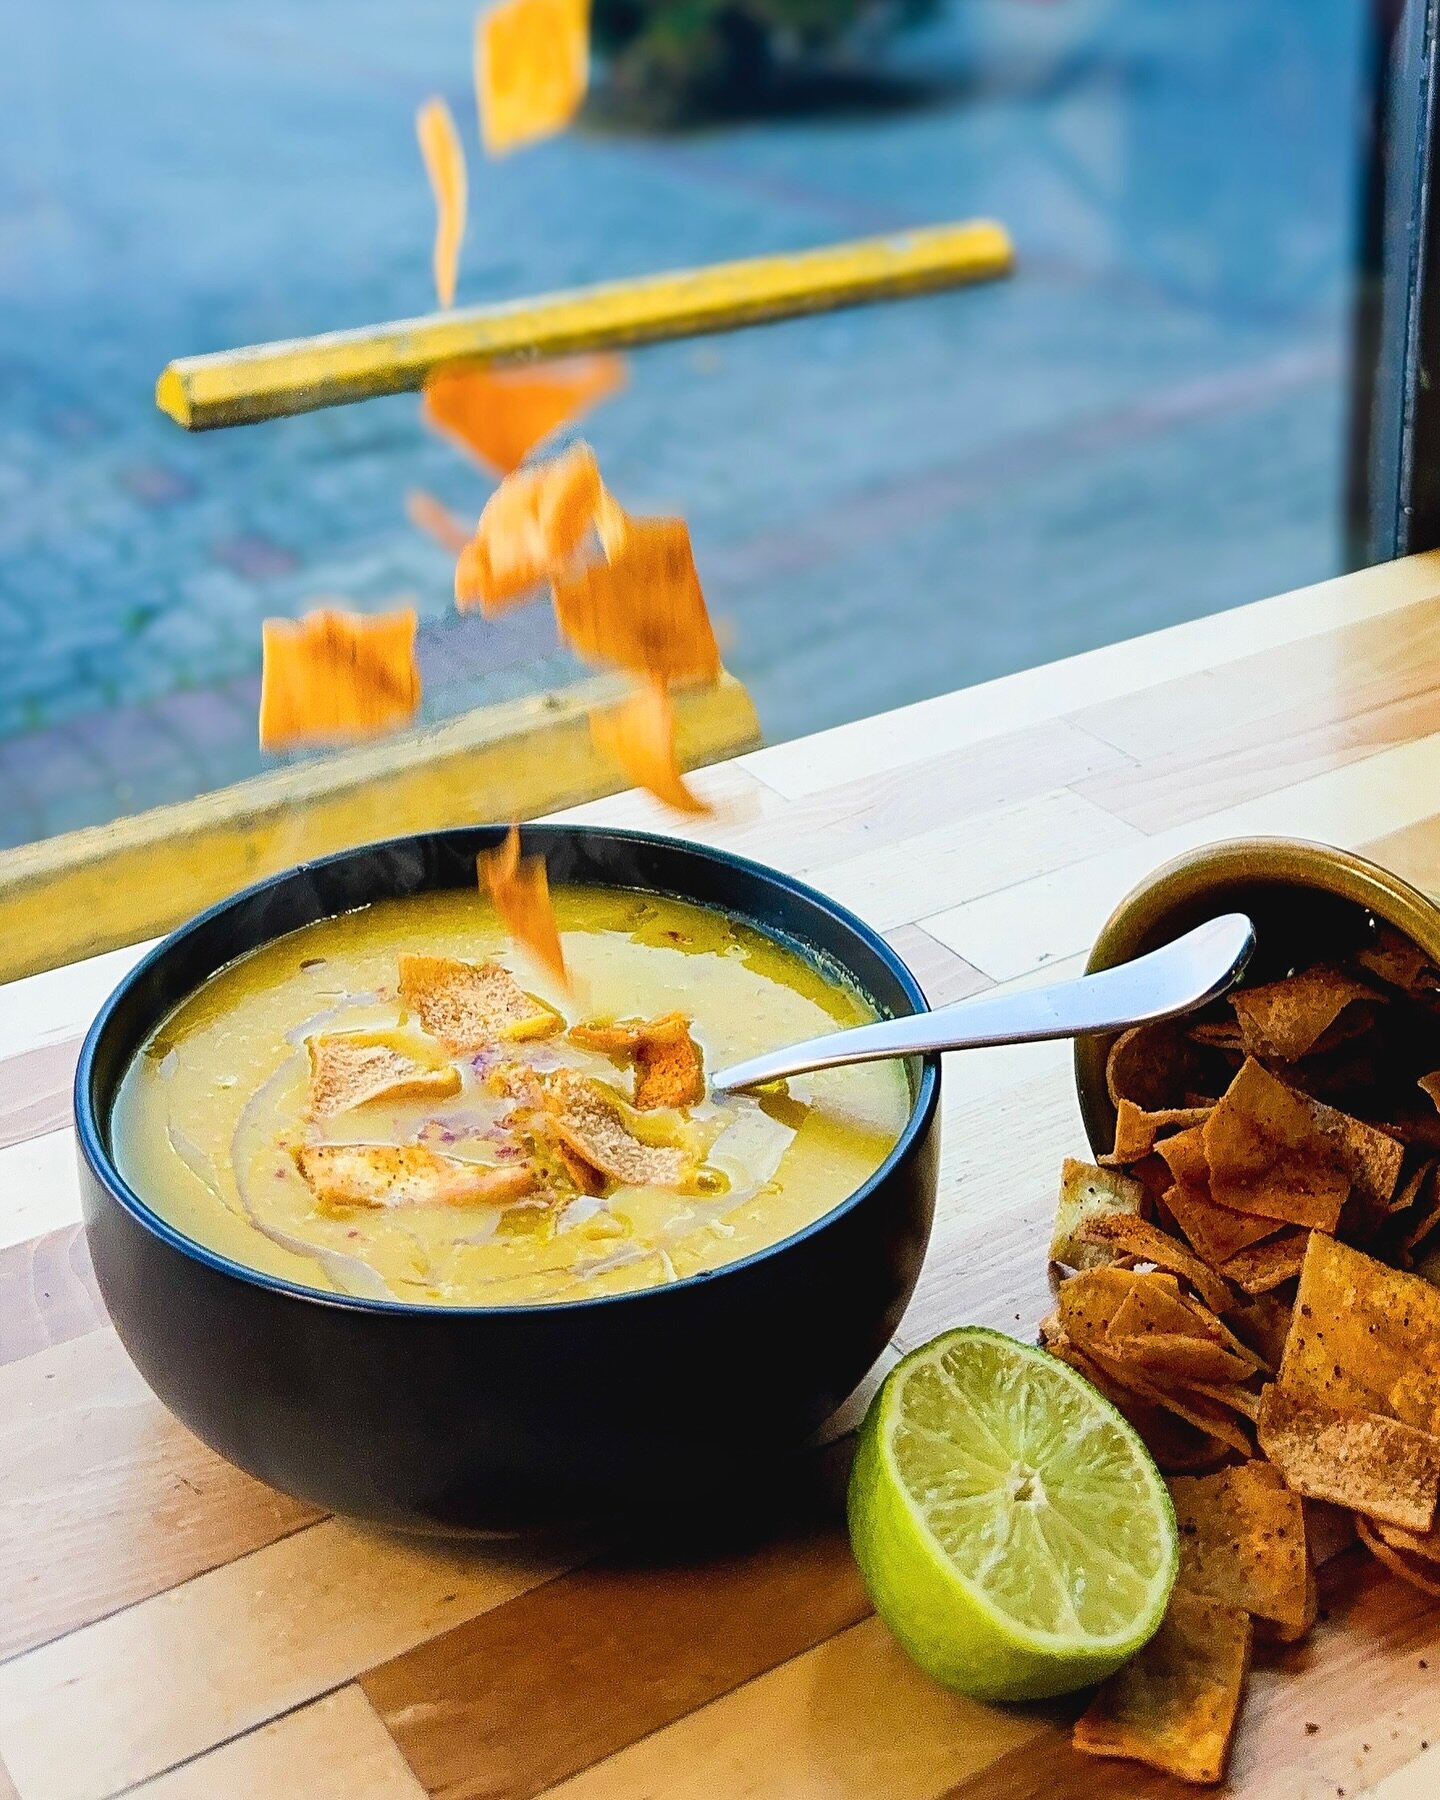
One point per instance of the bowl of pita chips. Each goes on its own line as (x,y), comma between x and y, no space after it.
(1247,1267)
(436,1223)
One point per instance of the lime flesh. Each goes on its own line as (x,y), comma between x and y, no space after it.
(1011,1527)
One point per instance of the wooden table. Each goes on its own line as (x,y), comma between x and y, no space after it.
(169,1627)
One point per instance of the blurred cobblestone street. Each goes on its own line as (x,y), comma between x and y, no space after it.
(1144,425)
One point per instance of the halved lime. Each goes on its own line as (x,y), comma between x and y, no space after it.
(1011,1527)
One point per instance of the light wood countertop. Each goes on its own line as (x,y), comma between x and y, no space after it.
(171,1628)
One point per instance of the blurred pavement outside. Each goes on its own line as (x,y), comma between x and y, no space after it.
(1144,425)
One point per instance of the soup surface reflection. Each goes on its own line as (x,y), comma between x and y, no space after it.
(393,1103)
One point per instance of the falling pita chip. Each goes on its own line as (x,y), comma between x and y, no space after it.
(336,676)
(445,166)
(520,889)
(1429,1085)
(1364,1335)
(500,415)
(641,608)
(1419,1571)
(638,736)
(469,1005)
(1284,1020)
(1174,1704)
(1267,1157)
(1089,1193)
(345,1175)
(429,515)
(1351,1458)
(359,1068)
(612,523)
(1125,1234)
(1242,1540)
(1137,1131)
(1263,1266)
(591,1120)
(669,1069)
(532,67)
(531,528)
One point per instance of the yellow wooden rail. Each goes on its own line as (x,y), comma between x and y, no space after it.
(268,381)
(93,890)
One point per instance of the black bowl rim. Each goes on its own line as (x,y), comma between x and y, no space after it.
(103,1167)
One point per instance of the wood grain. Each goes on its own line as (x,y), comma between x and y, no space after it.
(1273,753)
(39,1010)
(104,1498)
(129,1698)
(875,808)
(35,1090)
(1321,685)
(39,1187)
(1057,913)
(333,1749)
(987,1261)
(953,723)
(978,853)
(850,1720)
(572,1672)
(869,812)
(171,1623)
(943,976)
(47,1293)
(1365,1679)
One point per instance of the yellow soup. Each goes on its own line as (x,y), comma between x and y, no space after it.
(467,1177)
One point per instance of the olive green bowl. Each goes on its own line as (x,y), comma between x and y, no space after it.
(1306,899)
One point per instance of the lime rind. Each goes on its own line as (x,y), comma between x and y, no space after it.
(997,1598)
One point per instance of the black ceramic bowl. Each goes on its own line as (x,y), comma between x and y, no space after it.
(506,1417)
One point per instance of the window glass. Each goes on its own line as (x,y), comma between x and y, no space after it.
(1144,424)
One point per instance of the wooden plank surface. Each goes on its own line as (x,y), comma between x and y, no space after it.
(170,1628)
(47,1293)
(333,1749)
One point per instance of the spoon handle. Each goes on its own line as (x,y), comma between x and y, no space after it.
(1176,978)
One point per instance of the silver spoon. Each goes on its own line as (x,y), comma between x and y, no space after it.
(1174,979)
